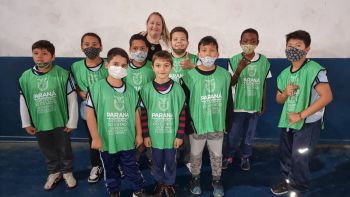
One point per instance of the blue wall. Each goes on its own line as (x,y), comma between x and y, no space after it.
(335,118)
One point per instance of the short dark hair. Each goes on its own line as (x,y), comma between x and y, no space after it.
(90,34)
(300,35)
(208,40)
(44,44)
(250,30)
(137,37)
(178,29)
(163,55)
(117,51)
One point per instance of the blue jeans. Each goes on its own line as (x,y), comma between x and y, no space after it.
(164,165)
(241,137)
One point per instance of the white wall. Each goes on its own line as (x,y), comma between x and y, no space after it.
(63,22)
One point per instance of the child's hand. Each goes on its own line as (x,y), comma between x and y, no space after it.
(290,89)
(138,141)
(177,143)
(294,117)
(147,142)
(30,130)
(96,144)
(68,130)
(242,64)
(186,63)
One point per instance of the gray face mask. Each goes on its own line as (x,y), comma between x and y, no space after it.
(42,65)
(92,52)
(208,61)
(294,54)
(138,56)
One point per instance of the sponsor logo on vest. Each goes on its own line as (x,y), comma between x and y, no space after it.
(210,97)
(251,70)
(177,67)
(163,104)
(209,85)
(175,76)
(162,115)
(92,78)
(118,103)
(137,78)
(251,81)
(43,95)
(42,83)
(117,115)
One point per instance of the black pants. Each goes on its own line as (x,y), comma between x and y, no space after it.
(94,154)
(56,147)
(296,150)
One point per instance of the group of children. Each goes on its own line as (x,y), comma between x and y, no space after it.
(131,105)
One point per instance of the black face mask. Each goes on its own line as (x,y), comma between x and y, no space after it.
(92,52)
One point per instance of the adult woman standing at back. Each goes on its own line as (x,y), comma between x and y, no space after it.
(157,34)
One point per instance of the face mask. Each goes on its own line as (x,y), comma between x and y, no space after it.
(42,65)
(138,56)
(92,52)
(294,54)
(248,48)
(117,72)
(207,61)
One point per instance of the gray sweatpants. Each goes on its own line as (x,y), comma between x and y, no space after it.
(214,142)
(56,147)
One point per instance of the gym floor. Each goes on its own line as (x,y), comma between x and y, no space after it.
(23,173)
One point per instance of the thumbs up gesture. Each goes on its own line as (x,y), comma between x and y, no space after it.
(290,89)
(186,63)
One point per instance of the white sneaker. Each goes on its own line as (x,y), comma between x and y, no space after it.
(95,174)
(52,180)
(70,180)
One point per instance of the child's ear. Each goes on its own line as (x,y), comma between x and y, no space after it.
(307,49)
(53,58)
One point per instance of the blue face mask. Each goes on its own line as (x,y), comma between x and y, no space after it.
(138,56)
(294,54)
(208,61)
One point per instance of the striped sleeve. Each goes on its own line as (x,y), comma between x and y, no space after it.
(182,123)
(144,122)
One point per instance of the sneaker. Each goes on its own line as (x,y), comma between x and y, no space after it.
(52,181)
(114,194)
(170,191)
(70,180)
(280,188)
(140,193)
(218,188)
(226,162)
(295,194)
(188,165)
(195,186)
(158,190)
(245,165)
(95,174)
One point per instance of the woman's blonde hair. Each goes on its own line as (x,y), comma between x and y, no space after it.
(165,33)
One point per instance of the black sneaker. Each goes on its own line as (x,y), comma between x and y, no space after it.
(114,194)
(195,186)
(158,190)
(280,188)
(245,165)
(226,162)
(140,193)
(218,188)
(295,194)
(170,191)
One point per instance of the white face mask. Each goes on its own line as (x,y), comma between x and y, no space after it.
(208,61)
(138,56)
(248,48)
(117,72)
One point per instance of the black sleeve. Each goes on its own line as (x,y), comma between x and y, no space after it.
(189,123)
(229,110)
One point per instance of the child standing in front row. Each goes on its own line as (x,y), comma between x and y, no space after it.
(49,110)
(210,96)
(304,91)
(250,71)
(163,122)
(114,124)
